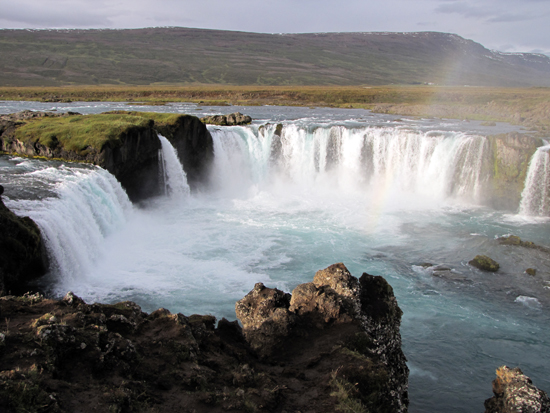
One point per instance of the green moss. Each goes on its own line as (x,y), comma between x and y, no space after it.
(77,133)
(83,133)
(24,396)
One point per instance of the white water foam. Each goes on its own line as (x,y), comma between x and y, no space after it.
(173,175)
(535,198)
(379,161)
(90,206)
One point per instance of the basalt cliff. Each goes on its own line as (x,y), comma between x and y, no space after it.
(333,344)
(124,143)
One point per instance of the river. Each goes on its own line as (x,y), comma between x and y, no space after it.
(383,194)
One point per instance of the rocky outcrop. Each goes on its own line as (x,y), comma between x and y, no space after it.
(335,308)
(132,157)
(22,253)
(118,358)
(514,392)
(232,119)
(515,241)
(484,263)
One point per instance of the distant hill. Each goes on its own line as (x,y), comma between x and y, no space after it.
(195,56)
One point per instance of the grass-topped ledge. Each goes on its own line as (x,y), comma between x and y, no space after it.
(79,133)
(124,143)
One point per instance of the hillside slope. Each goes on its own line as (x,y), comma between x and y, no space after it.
(196,56)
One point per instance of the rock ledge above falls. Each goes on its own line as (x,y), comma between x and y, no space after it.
(333,344)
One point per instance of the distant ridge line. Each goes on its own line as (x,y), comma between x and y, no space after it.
(179,55)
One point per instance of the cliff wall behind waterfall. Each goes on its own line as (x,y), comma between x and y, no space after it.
(124,143)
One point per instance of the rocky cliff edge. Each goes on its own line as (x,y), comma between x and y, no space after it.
(333,344)
(124,143)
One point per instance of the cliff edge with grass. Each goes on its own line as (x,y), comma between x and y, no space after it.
(124,143)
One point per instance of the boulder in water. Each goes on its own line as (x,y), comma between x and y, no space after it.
(531,271)
(484,263)
(233,119)
(515,392)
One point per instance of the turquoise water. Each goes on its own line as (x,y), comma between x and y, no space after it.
(278,221)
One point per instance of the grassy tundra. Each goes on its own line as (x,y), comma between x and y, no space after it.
(529,107)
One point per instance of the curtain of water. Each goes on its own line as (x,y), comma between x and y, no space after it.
(535,198)
(174,177)
(89,206)
(436,165)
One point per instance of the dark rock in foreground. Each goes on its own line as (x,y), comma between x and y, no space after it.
(514,392)
(232,119)
(22,253)
(334,345)
(359,316)
(484,263)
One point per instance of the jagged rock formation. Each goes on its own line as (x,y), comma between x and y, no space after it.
(132,157)
(232,119)
(514,392)
(363,315)
(66,355)
(22,253)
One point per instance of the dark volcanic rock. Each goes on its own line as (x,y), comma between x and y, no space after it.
(22,253)
(514,392)
(67,356)
(232,119)
(334,308)
(484,263)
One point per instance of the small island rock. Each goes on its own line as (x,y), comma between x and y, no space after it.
(484,263)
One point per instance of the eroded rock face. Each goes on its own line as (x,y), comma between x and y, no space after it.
(335,307)
(117,358)
(22,253)
(514,392)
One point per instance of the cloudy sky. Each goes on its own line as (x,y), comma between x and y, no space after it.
(505,25)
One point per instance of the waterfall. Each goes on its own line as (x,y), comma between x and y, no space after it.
(173,176)
(434,164)
(535,198)
(90,205)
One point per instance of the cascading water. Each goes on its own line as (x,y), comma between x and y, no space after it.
(435,165)
(89,205)
(172,173)
(535,198)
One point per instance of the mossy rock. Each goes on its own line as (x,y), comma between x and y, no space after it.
(531,271)
(484,263)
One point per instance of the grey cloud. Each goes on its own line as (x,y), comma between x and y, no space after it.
(62,13)
(463,9)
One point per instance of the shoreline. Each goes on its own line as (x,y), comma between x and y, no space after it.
(528,107)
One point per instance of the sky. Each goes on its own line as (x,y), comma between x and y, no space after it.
(504,25)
